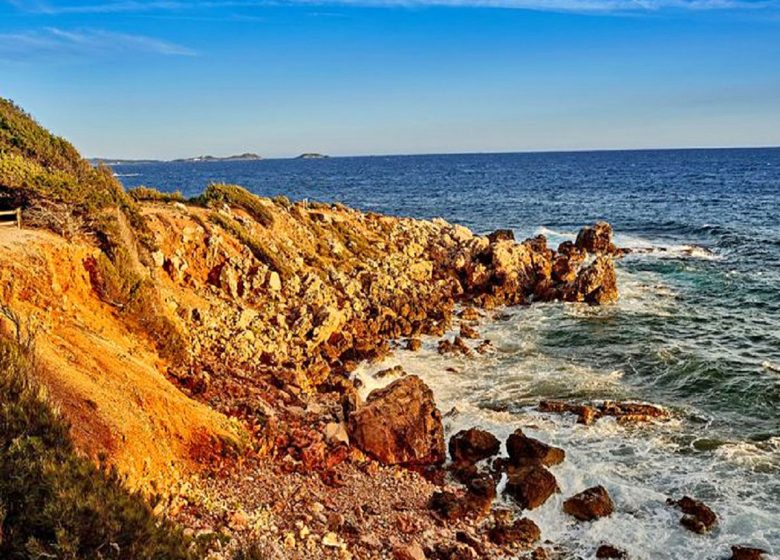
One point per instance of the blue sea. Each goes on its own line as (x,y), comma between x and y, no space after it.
(697,327)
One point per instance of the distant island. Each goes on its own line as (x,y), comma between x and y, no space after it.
(239,157)
(312,155)
(120,161)
(197,159)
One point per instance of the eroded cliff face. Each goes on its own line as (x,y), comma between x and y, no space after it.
(106,377)
(273,307)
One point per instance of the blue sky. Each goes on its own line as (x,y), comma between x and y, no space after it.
(168,78)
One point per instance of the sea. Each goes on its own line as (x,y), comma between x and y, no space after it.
(696,328)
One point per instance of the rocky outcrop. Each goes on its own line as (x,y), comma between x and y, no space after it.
(473,445)
(590,504)
(400,425)
(698,517)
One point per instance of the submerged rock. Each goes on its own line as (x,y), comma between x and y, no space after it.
(523,449)
(590,504)
(400,425)
(624,412)
(698,517)
(470,446)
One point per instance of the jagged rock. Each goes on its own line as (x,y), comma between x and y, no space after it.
(522,533)
(501,235)
(596,239)
(400,425)
(596,283)
(412,551)
(609,551)
(472,541)
(480,496)
(586,414)
(746,553)
(469,314)
(447,505)
(335,433)
(531,485)
(698,517)
(632,412)
(457,346)
(470,446)
(414,344)
(590,504)
(453,551)
(468,332)
(625,412)
(395,371)
(274,282)
(523,449)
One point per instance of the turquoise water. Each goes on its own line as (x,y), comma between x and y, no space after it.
(697,327)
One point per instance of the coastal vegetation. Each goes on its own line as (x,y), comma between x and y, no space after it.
(55,503)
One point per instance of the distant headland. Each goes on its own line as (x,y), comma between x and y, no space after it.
(312,155)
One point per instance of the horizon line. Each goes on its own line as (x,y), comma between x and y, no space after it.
(468,153)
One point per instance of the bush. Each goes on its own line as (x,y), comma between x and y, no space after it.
(234,195)
(149,194)
(55,503)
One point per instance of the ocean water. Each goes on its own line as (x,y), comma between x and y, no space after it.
(697,327)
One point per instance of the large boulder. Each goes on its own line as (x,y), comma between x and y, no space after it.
(400,425)
(591,504)
(523,449)
(530,485)
(470,446)
(596,239)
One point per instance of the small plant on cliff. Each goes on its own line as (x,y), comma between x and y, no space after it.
(149,194)
(55,503)
(234,195)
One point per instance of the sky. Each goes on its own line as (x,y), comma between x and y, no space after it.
(165,79)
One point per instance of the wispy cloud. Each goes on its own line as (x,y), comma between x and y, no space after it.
(588,6)
(52,41)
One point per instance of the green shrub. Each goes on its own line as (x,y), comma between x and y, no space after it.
(233,195)
(149,194)
(38,169)
(55,503)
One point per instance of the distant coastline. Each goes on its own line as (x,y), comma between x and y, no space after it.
(200,159)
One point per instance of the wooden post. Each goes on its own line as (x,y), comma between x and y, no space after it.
(19,218)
